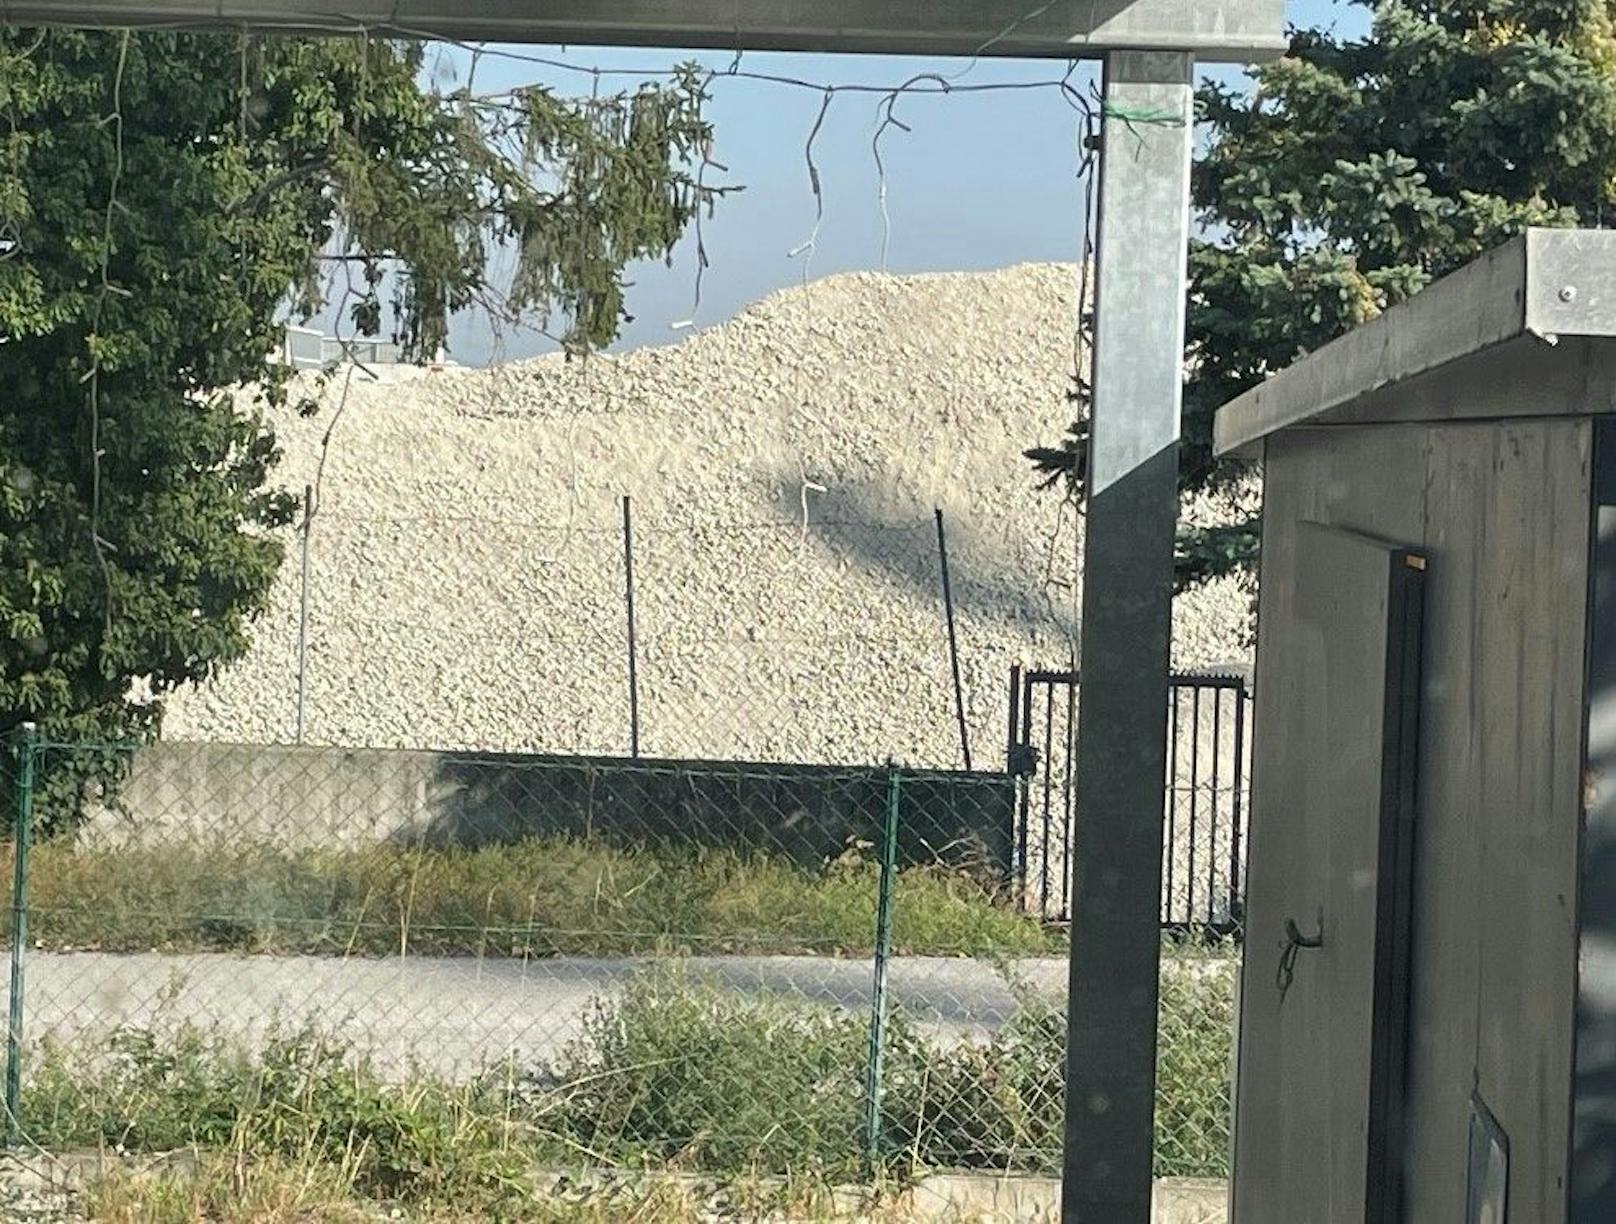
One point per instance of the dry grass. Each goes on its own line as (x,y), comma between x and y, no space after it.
(543,897)
(224,1189)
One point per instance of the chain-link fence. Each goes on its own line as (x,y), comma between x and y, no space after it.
(715,965)
(648,627)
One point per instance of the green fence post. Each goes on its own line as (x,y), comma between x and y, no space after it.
(883,953)
(27,752)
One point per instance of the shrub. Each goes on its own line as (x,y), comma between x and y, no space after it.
(303,1097)
(679,1071)
(682,1069)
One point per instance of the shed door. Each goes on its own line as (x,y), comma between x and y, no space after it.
(1319,1105)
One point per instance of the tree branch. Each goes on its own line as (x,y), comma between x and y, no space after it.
(309,168)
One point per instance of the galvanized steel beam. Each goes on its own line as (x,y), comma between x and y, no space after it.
(1213,30)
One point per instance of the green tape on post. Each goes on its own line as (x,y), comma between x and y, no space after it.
(883,953)
(27,753)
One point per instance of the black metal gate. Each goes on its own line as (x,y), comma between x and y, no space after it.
(1204,821)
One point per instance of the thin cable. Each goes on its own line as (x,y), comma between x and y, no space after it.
(811,246)
(888,120)
(1082,352)
(976,56)
(99,545)
(930,83)
(702,262)
(343,23)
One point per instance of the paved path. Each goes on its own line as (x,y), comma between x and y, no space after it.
(454,1015)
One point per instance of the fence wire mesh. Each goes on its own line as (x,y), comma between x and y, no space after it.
(649,625)
(718,965)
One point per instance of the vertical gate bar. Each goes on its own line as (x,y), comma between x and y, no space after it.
(633,647)
(1236,875)
(27,752)
(1010,766)
(953,640)
(1217,800)
(1170,852)
(1015,729)
(1195,787)
(1070,807)
(1026,789)
(875,1069)
(1049,778)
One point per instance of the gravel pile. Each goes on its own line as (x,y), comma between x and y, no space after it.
(467,580)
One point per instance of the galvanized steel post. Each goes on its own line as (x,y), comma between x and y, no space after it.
(1127,615)
(883,953)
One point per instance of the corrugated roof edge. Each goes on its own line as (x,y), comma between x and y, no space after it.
(1547,283)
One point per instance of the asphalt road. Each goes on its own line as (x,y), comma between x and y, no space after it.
(456,1015)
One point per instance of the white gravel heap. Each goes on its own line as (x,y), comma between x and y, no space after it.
(467,572)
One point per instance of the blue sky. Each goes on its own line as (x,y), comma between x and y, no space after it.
(980,181)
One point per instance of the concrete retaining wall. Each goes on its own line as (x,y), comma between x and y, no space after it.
(325,797)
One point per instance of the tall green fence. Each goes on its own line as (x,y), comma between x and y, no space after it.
(721,966)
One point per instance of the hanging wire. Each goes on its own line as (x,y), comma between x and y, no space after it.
(103,291)
(808,248)
(886,121)
(702,262)
(1088,147)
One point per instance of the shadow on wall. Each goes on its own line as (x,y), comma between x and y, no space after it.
(855,521)
(809,814)
(314,798)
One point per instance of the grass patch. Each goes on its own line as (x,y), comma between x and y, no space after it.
(303,1098)
(227,1191)
(227,1188)
(676,1074)
(543,897)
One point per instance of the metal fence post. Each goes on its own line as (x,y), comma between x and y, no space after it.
(303,611)
(27,752)
(873,1081)
(1237,874)
(633,647)
(953,640)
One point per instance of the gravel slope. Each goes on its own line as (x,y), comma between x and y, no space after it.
(467,584)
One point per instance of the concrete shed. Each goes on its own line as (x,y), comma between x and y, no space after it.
(1428,1008)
